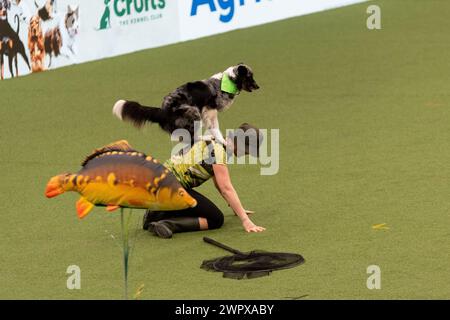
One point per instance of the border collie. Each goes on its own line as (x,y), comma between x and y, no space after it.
(193,101)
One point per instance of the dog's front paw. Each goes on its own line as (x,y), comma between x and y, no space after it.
(207,137)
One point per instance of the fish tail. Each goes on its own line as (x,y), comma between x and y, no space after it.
(60,184)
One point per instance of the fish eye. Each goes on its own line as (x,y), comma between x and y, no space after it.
(181,193)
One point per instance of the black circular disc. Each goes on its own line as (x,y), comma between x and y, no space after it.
(257,261)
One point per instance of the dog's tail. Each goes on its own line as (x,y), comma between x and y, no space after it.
(138,114)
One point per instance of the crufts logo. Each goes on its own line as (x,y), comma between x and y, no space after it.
(130,11)
(227,7)
(127,7)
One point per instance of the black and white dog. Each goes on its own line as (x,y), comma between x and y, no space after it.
(193,101)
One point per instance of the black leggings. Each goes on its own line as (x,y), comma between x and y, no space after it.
(204,209)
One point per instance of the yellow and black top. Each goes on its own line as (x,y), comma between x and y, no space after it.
(195,167)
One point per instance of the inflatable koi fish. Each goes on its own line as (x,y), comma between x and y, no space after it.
(119,176)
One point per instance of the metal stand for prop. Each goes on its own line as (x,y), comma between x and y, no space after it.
(126,246)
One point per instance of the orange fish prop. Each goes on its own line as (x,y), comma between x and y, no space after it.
(119,176)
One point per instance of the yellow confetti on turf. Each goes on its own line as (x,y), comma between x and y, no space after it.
(139,291)
(381,226)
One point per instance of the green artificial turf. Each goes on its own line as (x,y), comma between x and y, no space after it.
(364,125)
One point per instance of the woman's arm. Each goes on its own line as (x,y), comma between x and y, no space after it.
(223,183)
(218,189)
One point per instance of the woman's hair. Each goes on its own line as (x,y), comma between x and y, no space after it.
(247,140)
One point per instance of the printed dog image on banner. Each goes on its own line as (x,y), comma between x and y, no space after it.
(38,32)
(60,40)
(10,43)
(47,11)
(36,44)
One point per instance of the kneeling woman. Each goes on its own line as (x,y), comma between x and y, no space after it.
(205,160)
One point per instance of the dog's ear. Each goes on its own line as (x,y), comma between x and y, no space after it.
(242,71)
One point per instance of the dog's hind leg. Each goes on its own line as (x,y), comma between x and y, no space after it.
(10,63)
(11,58)
(1,60)
(15,64)
(24,56)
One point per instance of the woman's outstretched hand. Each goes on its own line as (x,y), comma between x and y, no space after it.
(249,226)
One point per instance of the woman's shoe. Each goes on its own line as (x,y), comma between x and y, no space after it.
(152,216)
(166,228)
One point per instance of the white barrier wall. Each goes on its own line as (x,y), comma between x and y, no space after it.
(207,17)
(54,33)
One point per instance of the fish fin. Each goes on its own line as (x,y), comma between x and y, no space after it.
(111,208)
(121,145)
(84,207)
